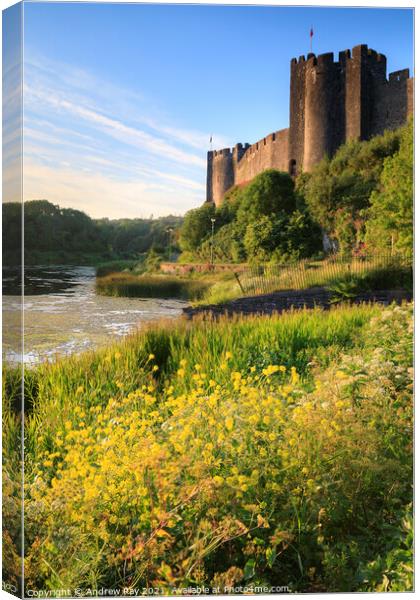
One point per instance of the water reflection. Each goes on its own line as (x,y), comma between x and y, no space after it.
(44,280)
(63,315)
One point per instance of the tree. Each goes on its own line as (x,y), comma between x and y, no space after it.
(270,193)
(196,227)
(390,215)
(262,237)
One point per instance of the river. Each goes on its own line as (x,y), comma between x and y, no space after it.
(63,315)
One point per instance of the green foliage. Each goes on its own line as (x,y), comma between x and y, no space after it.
(390,215)
(262,236)
(344,289)
(114,266)
(196,227)
(62,235)
(264,220)
(269,193)
(227,245)
(393,569)
(365,185)
(394,275)
(301,237)
(133,237)
(51,228)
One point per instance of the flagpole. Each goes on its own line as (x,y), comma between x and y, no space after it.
(311,34)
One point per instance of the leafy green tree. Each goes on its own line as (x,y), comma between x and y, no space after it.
(59,234)
(196,226)
(12,233)
(302,237)
(228,245)
(263,236)
(270,193)
(390,215)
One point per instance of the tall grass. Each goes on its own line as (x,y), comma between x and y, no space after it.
(386,270)
(298,338)
(150,286)
(259,449)
(294,338)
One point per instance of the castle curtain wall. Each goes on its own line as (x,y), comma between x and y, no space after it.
(239,165)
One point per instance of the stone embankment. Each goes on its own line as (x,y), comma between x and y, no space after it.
(280,301)
(174,268)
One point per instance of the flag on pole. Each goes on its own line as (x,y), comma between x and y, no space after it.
(311,35)
(211,139)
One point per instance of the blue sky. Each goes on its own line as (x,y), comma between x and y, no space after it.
(120,100)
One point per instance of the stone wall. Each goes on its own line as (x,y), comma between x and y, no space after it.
(393,102)
(170,268)
(242,163)
(269,153)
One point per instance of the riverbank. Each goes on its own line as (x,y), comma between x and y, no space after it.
(344,277)
(267,304)
(272,448)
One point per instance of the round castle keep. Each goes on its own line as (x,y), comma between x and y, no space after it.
(330,103)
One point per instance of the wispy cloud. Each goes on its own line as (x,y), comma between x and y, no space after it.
(104,150)
(101,195)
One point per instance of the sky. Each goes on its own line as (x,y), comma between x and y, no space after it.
(120,100)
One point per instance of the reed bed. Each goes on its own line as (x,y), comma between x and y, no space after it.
(150,286)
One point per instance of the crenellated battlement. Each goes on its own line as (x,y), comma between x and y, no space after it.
(241,150)
(358,52)
(331,101)
(399,76)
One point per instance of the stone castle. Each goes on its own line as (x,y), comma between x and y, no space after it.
(330,103)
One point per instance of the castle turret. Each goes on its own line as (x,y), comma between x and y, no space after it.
(221,175)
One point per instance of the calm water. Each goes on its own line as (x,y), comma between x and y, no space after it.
(63,315)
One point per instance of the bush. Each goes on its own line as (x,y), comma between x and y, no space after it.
(359,187)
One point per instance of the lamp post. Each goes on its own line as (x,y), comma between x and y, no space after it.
(169,231)
(212,239)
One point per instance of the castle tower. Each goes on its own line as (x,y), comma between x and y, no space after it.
(297,113)
(220,174)
(323,109)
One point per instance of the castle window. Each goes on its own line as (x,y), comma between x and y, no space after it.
(292,167)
